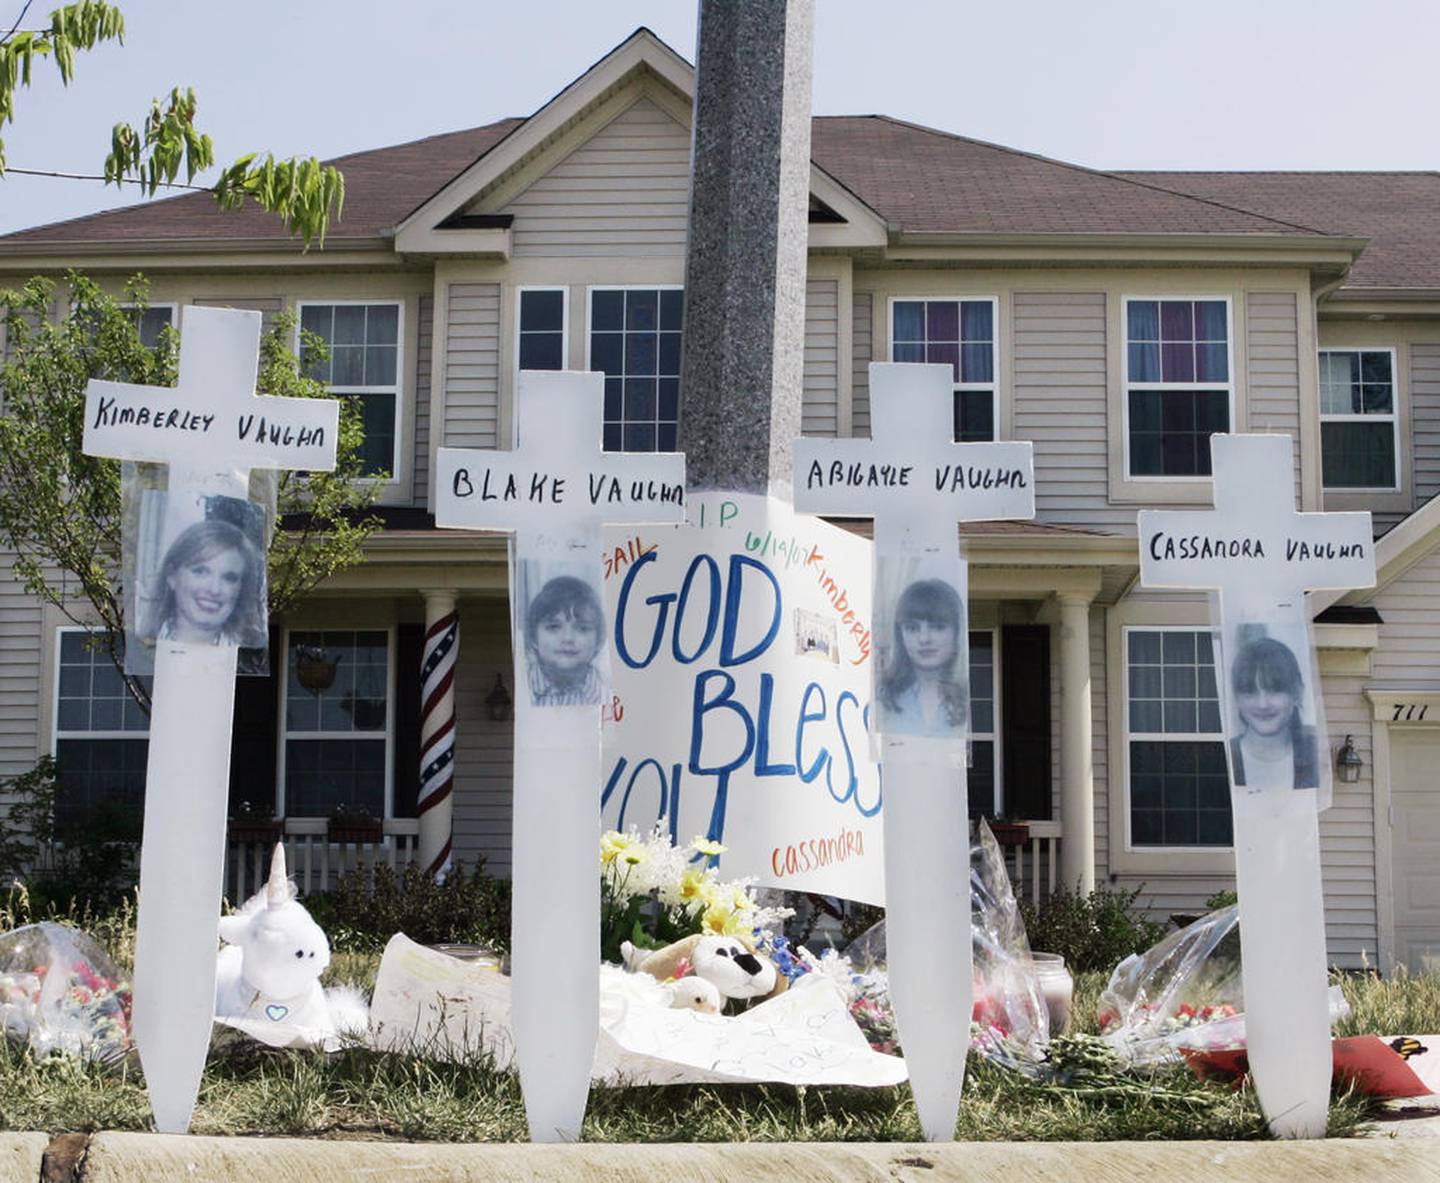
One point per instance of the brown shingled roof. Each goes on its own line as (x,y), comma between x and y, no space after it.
(382,186)
(1399,212)
(924,180)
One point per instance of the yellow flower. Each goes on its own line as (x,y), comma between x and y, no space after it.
(634,857)
(724,922)
(710,893)
(692,886)
(702,845)
(613,844)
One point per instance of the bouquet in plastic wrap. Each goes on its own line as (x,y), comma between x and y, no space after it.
(59,992)
(1010,1022)
(1183,994)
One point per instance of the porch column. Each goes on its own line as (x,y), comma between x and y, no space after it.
(437,729)
(1077,770)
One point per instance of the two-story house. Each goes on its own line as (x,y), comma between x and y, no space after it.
(1114,319)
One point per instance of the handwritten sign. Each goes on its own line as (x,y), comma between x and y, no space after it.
(741,662)
(556,489)
(918,485)
(1262,557)
(210,430)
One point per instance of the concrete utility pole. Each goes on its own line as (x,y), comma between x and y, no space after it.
(746,253)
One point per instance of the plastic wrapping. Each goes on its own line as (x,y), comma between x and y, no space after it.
(1010,1021)
(60,993)
(1185,992)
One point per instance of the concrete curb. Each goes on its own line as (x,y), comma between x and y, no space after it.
(157,1158)
(20,1156)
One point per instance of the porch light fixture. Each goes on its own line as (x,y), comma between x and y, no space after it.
(313,669)
(1348,762)
(499,701)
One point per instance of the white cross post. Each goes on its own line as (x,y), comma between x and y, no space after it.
(1262,557)
(917,485)
(210,429)
(555,490)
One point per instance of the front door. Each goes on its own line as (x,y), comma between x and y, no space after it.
(1415,849)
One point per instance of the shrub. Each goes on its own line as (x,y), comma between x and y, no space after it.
(367,909)
(1092,932)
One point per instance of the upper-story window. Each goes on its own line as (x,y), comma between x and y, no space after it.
(635,338)
(1358,426)
(364,364)
(541,329)
(1179,786)
(1177,384)
(960,334)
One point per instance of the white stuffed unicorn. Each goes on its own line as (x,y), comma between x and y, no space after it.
(267,979)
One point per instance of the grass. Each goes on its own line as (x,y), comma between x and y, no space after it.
(358,1094)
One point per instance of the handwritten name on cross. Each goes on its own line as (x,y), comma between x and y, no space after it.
(555,490)
(211,428)
(557,481)
(910,477)
(1254,547)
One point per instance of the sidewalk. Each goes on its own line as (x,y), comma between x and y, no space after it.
(157,1158)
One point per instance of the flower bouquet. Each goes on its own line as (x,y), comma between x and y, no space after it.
(60,993)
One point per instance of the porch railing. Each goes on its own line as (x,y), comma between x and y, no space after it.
(315,862)
(1035,866)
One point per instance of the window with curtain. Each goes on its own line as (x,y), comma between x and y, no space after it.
(1177,375)
(1358,425)
(961,335)
(635,336)
(337,739)
(363,364)
(101,734)
(1178,782)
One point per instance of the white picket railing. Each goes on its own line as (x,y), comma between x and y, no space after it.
(1035,867)
(314,862)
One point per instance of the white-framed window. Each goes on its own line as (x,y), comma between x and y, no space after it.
(1179,788)
(1359,429)
(101,736)
(152,320)
(1178,388)
(365,363)
(986,786)
(634,338)
(337,748)
(960,334)
(541,324)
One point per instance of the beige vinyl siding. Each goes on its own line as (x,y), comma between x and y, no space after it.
(481,821)
(862,343)
(1272,351)
(421,467)
(1409,651)
(625,191)
(471,396)
(1425,415)
(1100,735)
(820,409)
(1347,833)
(20,660)
(1059,404)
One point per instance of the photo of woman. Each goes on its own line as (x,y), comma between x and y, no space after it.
(564,632)
(1273,749)
(922,688)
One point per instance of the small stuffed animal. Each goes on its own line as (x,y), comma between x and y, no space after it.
(731,965)
(693,993)
(268,973)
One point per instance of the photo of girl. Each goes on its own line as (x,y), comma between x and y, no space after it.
(1273,748)
(921,687)
(209,588)
(564,633)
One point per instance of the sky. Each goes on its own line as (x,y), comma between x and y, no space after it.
(1229,84)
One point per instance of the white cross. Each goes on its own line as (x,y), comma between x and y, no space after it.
(910,476)
(555,490)
(1262,556)
(557,481)
(1254,512)
(211,428)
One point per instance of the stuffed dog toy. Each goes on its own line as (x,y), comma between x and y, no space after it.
(729,963)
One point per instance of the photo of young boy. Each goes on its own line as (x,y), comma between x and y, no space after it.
(564,641)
